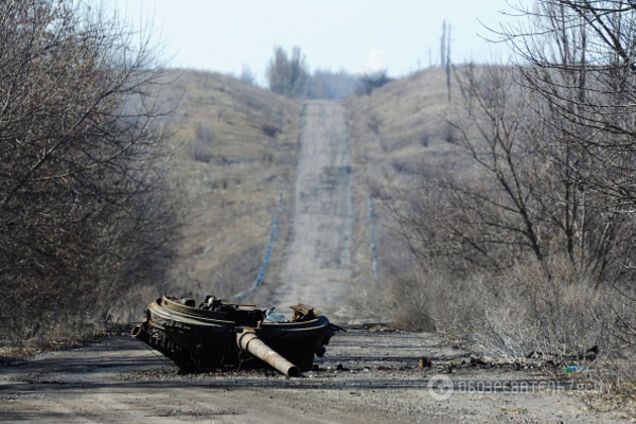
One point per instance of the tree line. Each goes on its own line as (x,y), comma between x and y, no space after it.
(86,213)
(288,74)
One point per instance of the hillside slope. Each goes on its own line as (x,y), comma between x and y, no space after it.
(397,132)
(236,153)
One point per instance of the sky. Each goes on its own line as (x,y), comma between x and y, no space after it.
(400,36)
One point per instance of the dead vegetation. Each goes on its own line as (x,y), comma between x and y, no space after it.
(105,164)
(86,213)
(518,223)
(236,148)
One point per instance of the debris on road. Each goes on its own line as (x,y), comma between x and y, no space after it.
(272,314)
(304,312)
(572,368)
(569,363)
(220,334)
(425,362)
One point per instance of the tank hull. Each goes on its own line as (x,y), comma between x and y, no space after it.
(199,340)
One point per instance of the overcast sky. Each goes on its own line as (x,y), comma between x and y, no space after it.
(357,35)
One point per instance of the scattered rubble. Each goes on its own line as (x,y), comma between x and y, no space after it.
(534,360)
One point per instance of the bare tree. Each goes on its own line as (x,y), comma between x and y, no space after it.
(580,61)
(515,197)
(247,76)
(491,220)
(582,64)
(288,75)
(85,210)
(549,178)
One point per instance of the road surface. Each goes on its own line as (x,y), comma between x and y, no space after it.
(318,264)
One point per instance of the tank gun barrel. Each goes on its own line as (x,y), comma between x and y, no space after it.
(247,340)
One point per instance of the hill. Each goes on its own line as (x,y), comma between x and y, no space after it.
(398,131)
(235,154)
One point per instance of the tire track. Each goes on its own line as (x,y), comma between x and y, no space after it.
(318,263)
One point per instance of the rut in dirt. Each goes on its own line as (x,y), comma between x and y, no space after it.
(318,261)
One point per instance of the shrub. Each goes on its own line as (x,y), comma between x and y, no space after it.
(85,209)
(371,81)
(513,313)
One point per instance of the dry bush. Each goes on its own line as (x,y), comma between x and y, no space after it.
(527,312)
(371,81)
(201,151)
(288,74)
(85,209)
(201,146)
(520,311)
(401,303)
(410,305)
(511,313)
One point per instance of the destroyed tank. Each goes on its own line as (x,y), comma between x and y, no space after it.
(218,334)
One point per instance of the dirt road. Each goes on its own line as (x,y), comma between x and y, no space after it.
(366,376)
(318,264)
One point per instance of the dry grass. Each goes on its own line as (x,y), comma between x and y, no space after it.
(399,136)
(404,121)
(235,148)
(509,314)
(395,132)
(231,198)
